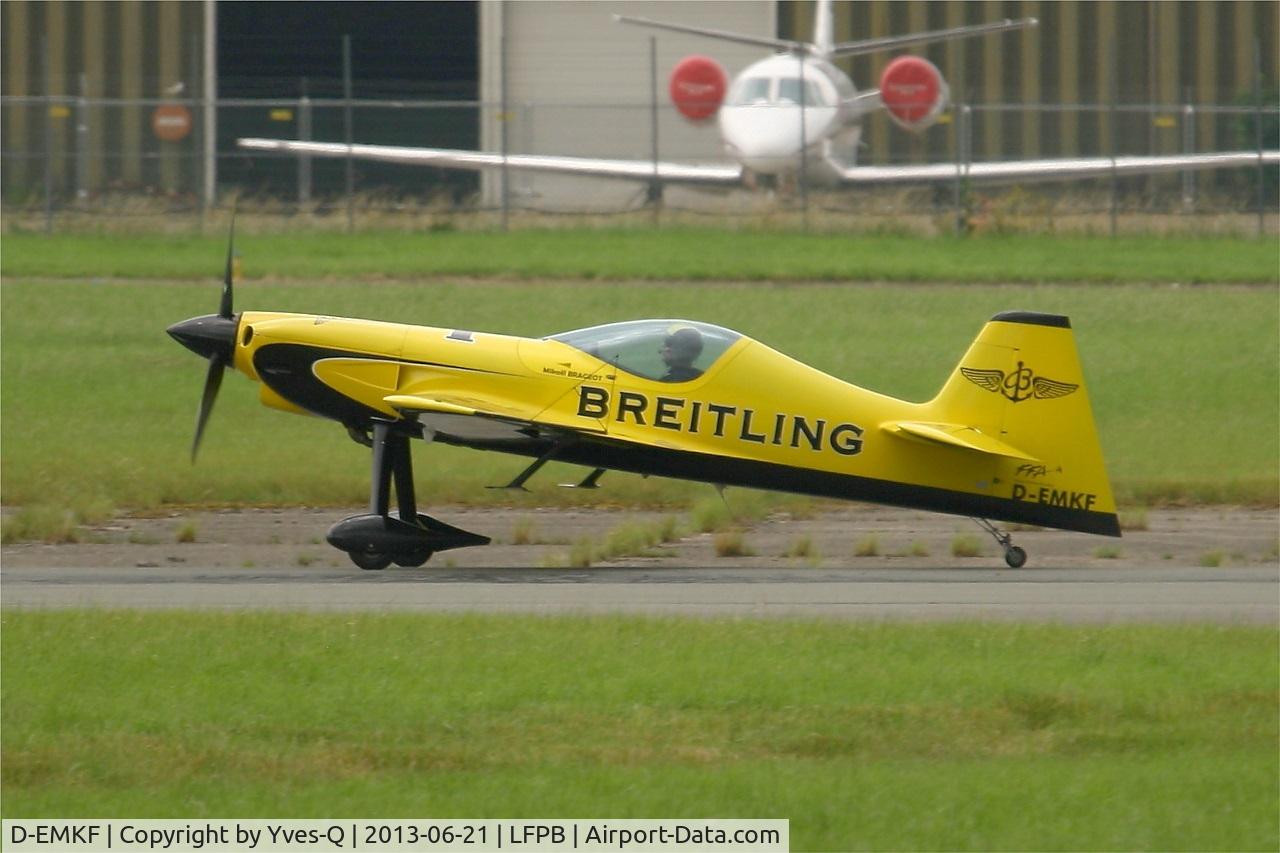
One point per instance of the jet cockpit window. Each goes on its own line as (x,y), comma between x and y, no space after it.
(753,90)
(789,92)
(665,350)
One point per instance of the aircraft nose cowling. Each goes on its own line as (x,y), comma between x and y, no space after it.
(210,336)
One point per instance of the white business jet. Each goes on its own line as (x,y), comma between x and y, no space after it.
(793,117)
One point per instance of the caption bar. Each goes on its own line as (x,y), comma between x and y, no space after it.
(527,836)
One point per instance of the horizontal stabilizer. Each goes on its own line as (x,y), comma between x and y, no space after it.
(955,435)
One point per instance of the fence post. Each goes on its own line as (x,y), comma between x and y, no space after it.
(1111,143)
(210,128)
(82,139)
(804,153)
(48,135)
(655,186)
(1257,127)
(1188,147)
(964,148)
(304,133)
(504,121)
(346,118)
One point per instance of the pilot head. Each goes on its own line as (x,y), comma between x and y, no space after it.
(682,346)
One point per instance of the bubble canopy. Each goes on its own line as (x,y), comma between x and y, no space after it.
(662,350)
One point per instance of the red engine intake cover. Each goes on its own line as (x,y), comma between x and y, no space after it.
(697,87)
(913,91)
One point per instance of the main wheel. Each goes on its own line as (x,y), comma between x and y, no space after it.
(371,561)
(412,559)
(1015,557)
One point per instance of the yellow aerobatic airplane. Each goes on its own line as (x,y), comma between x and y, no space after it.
(1009,437)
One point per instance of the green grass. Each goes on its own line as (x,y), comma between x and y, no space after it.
(864,736)
(99,404)
(647,254)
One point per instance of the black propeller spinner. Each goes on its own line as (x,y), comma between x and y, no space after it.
(212,336)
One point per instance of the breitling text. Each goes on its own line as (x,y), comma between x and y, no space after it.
(701,417)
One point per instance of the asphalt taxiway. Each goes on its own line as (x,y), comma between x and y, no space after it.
(1158,594)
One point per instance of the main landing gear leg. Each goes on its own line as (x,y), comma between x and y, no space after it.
(378,539)
(1013,555)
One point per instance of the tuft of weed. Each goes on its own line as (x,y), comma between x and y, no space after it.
(1212,559)
(915,549)
(40,523)
(524,532)
(730,543)
(628,540)
(54,523)
(583,553)
(1107,552)
(711,515)
(305,560)
(714,514)
(965,545)
(186,533)
(669,529)
(801,546)
(867,546)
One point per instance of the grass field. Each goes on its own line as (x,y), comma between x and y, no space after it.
(865,736)
(673,254)
(99,403)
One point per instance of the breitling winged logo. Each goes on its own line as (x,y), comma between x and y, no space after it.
(1018,385)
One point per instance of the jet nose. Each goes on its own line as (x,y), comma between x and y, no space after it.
(210,336)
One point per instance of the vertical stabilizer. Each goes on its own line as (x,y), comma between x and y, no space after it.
(1021,384)
(823,28)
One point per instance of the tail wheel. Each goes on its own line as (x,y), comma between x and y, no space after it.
(1015,557)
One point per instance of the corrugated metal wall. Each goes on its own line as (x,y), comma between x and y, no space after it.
(1171,52)
(1092,53)
(128,50)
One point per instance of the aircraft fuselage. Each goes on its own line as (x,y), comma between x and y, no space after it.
(782,115)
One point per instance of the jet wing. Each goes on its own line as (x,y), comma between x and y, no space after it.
(727,174)
(1048,170)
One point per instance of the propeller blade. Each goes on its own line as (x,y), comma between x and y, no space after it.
(212,382)
(224,309)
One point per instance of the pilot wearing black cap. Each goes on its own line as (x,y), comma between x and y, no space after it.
(680,349)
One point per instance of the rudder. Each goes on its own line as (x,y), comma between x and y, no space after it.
(1021,384)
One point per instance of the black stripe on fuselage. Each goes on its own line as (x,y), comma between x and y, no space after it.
(288,369)
(601,452)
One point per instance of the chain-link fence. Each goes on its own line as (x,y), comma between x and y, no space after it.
(70,161)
